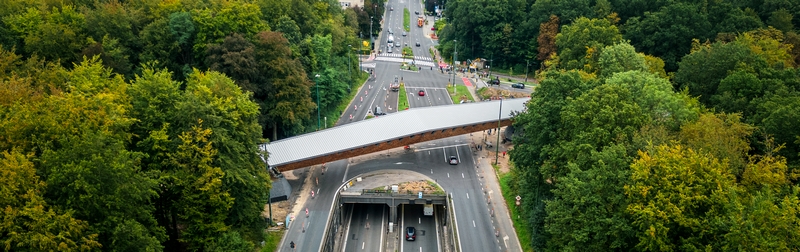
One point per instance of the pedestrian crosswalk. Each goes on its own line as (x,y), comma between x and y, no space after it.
(416,62)
(400,55)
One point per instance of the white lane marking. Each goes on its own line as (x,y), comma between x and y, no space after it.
(362,245)
(467,195)
(344,178)
(458,156)
(419,220)
(473,223)
(445,155)
(431,171)
(462,175)
(448,174)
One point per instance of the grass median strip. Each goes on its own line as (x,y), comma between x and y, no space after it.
(402,99)
(406,20)
(462,93)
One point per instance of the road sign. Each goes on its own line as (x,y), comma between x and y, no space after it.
(420,195)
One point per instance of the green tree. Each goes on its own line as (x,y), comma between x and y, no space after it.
(579,44)
(620,58)
(213,25)
(288,102)
(29,223)
(668,32)
(675,194)
(588,209)
(203,202)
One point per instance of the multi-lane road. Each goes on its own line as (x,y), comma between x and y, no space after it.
(366,225)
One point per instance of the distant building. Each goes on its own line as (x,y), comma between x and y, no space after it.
(350,3)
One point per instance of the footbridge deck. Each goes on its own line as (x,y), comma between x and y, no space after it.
(389,131)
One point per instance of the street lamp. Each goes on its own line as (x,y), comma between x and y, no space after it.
(316,83)
(497,144)
(526,70)
(453,67)
(349,68)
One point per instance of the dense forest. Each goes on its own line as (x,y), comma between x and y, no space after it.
(656,125)
(134,125)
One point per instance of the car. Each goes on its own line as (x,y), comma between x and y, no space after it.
(396,44)
(391,8)
(391,32)
(453,160)
(421,93)
(494,82)
(416,12)
(379,112)
(411,233)
(389,50)
(417,43)
(518,85)
(404,34)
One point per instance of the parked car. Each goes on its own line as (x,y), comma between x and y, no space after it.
(411,233)
(421,93)
(518,85)
(453,160)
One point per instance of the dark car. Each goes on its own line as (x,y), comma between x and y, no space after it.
(416,12)
(422,93)
(494,82)
(391,8)
(404,34)
(518,85)
(453,160)
(411,233)
(417,44)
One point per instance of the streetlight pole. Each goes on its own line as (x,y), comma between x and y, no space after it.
(349,68)
(316,83)
(453,67)
(360,50)
(526,70)
(497,144)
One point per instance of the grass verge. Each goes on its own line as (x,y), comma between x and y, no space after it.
(273,239)
(461,92)
(406,19)
(402,99)
(523,231)
(333,116)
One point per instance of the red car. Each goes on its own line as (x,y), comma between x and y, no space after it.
(422,93)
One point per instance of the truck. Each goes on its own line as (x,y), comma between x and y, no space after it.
(420,20)
(428,210)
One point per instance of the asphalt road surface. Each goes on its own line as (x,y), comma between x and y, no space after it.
(429,158)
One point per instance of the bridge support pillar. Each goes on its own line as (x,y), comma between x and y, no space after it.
(393,214)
